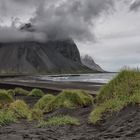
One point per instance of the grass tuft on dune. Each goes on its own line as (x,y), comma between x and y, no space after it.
(20,109)
(59,121)
(5,98)
(35,114)
(69,99)
(11,92)
(6,117)
(36,93)
(21,92)
(44,101)
(123,90)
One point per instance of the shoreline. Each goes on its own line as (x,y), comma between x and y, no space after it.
(49,86)
(51,75)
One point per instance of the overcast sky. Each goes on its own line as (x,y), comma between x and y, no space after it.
(108,30)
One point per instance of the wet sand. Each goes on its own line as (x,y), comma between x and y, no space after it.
(48,86)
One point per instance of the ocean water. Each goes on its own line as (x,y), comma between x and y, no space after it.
(97,78)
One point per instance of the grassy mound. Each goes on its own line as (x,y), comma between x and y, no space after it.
(11,92)
(36,93)
(59,121)
(21,91)
(44,101)
(69,99)
(35,114)
(6,117)
(124,89)
(20,109)
(5,98)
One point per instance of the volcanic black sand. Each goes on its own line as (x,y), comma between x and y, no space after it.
(28,83)
(124,125)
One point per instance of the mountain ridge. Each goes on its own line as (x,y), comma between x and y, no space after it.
(36,57)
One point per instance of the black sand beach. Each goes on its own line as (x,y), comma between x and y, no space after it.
(121,126)
(118,126)
(48,86)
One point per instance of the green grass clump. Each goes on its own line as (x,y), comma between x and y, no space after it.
(20,109)
(21,92)
(135,98)
(11,92)
(35,114)
(5,98)
(44,101)
(112,105)
(59,121)
(36,93)
(123,85)
(123,90)
(6,117)
(69,99)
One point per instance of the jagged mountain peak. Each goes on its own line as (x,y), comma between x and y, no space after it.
(90,63)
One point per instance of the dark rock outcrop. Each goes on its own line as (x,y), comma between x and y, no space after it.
(89,62)
(37,58)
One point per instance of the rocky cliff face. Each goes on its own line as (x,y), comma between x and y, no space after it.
(89,62)
(38,58)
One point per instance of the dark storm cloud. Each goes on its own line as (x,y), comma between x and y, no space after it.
(135,5)
(70,18)
(12,34)
(60,19)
